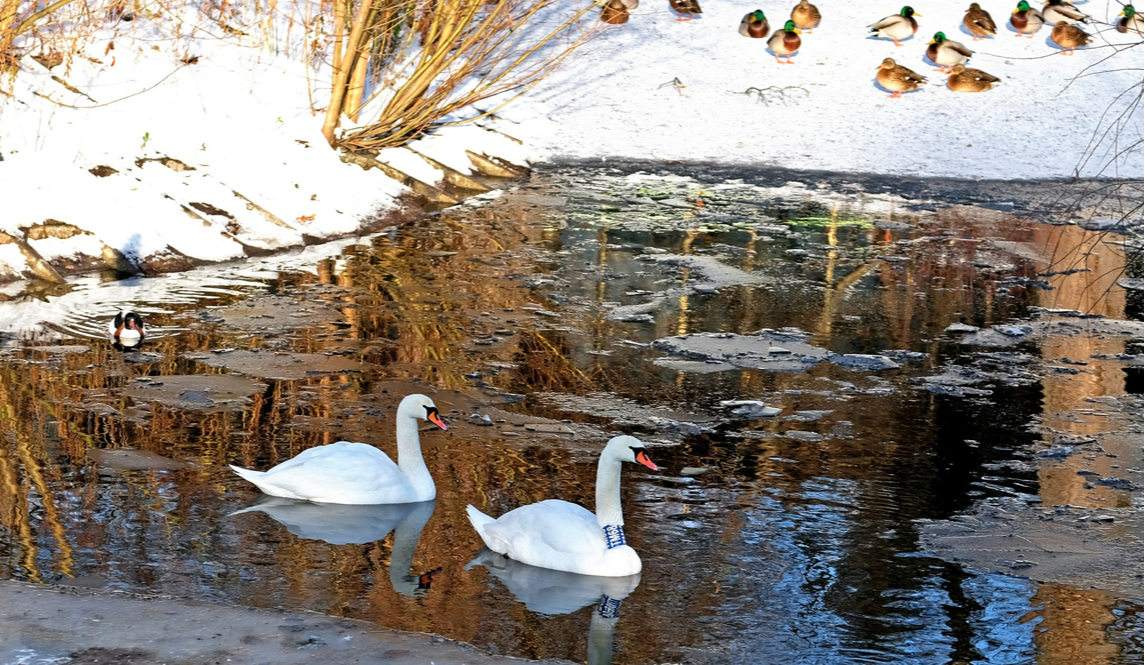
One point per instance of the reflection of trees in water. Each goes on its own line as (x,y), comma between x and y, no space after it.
(819,541)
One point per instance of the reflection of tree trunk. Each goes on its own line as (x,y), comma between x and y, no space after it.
(1074,626)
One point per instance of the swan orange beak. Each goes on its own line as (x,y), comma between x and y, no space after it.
(436,420)
(643,458)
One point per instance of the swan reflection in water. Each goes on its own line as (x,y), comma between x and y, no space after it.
(553,592)
(343,524)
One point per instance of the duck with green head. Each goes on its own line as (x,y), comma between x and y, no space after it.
(897,26)
(946,53)
(1025,20)
(1130,21)
(754,25)
(785,42)
(1057,11)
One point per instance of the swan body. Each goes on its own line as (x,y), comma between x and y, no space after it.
(559,535)
(356,473)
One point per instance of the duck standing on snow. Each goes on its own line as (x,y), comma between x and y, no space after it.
(126,329)
(898,79)
(356,473)
(806,16)
(946,53)
(979,22)
(897,26)
(785,42)
(615,12)
(1130,21)
(1025,20)
(754,25)
(1069,37)
(685,8)
(1058,11)
(560,535)
(970,80)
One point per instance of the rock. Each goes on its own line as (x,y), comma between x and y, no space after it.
(751,408)
(864,362)
(693,470)
(961,328)
(127,459)
(1014,331)
(893,226)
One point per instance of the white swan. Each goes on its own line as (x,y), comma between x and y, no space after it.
(356,473)
(564,536)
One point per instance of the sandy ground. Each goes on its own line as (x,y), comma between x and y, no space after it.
(42,625)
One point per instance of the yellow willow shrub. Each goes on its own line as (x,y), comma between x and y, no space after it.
(428,59)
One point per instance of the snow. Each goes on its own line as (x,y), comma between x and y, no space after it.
(615,98)
(244,120)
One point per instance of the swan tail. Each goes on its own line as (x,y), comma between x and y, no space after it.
(259,480)
(480,522)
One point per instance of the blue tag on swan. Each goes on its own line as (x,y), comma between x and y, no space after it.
(609,608)
(614,536)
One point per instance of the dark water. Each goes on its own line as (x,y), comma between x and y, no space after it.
(798,541)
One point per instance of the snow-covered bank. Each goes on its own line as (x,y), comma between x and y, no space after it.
(617,98)
(130,158)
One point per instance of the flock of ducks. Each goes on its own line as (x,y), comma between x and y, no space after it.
(950,55)
(551,534)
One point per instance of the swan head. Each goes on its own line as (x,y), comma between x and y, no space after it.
(420,406)
(629,449)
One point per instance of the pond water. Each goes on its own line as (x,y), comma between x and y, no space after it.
(563,312)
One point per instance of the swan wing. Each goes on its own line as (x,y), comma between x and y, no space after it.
(548,532)
(342,472)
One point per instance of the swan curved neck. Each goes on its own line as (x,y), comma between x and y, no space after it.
(608,512)
(410,460)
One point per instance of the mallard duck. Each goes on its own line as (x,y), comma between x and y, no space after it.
(898,79)
(1025,20)
(806,16)
(946,53)
(126,329)
(1130,21)
(685,8)
(1057,11)
(970,80)
(358,473)
(614,12)
(897,26)
(565,536)
(979,22)
(754,25)
(785,42)
(1069,37)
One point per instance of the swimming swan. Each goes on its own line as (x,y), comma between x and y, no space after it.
(564,536)
(357,473)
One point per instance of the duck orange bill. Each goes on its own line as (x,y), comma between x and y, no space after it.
(643,458)
(436,420)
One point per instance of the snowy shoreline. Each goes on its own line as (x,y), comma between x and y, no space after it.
(224,158)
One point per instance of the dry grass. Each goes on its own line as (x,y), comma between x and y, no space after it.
(433,58)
